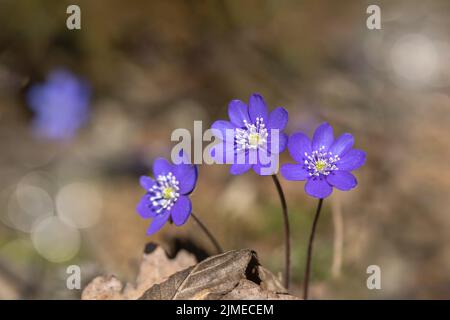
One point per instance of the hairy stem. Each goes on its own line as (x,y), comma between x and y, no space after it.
(208,233)
(287,233)
(310,247)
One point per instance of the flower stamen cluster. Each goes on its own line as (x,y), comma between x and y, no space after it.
(321,162)
(252,136)
(164,193)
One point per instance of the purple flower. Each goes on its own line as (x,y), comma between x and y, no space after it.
(253,137)
(61,105)
(167,195)
(323,162)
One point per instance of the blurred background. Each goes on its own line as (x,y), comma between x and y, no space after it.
(139,69)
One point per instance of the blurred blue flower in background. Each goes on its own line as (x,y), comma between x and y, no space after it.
(60,105)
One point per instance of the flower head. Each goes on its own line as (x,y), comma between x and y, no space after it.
(167,194)
(323,162)
(253,135)
(61,105)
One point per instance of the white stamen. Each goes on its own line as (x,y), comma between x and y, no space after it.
(320,162)
(164,193)
(252,136)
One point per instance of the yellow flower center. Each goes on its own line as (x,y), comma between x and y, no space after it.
(253,139)
(320,165)
(168,193)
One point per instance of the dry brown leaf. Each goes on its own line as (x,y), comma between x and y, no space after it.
(248,290)
(155,267)
(232,275)
(103,288)
(269,281)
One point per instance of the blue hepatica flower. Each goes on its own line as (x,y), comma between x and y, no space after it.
(253,135)
(167,195)
(61,105)
(323,162)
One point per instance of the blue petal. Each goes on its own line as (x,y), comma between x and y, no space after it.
(144,208)
(283,142)
(146,182)
(298,144)
(217,152)
(323,137)
(257,108)
(237,169)
(220,129)
(161,167)
(352,160)
(221,151)
(266,169)
(251,156)
(343,180)
(186,175)
(278,119)
(318,188)
(294,172)
(277,147)
(158,223)
(34,97)
(244,157)
(342,144)
(238,112)
(181,210)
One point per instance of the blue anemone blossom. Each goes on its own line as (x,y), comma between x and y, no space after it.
(60,105)
(167,194)
(324,162)
(254,136)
